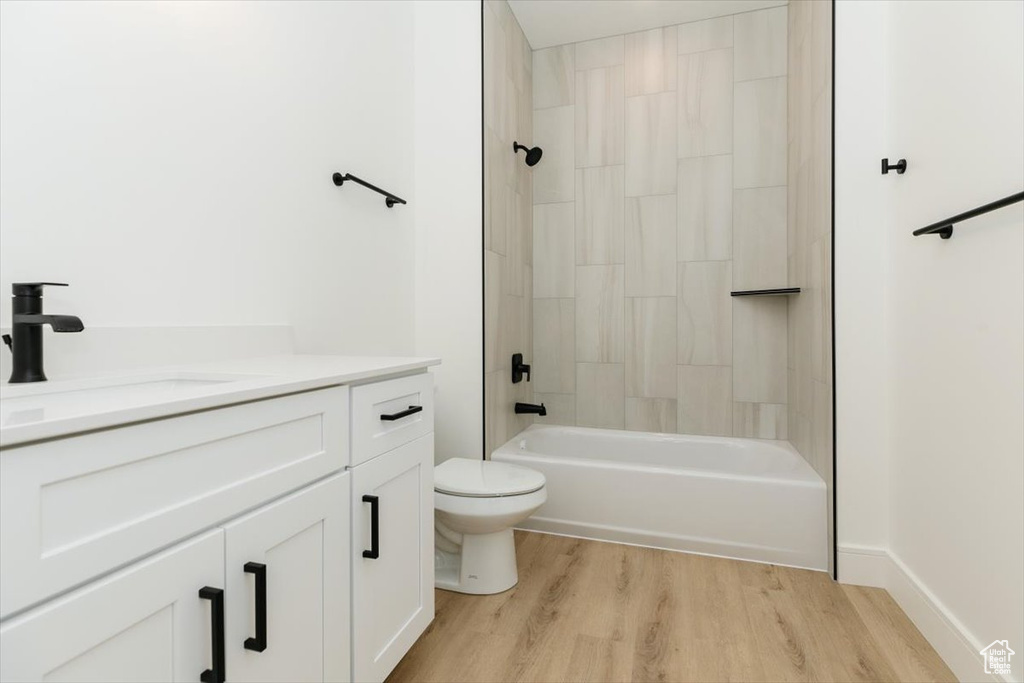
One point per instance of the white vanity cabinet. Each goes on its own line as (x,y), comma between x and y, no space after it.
(392,521)
(287,579)
(145,623)
(231,544)
(150,622)
(392,579)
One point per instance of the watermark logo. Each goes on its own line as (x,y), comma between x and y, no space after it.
(997,657)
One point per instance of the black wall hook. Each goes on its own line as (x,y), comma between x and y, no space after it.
(900,166)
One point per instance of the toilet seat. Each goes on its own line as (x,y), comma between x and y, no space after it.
(485,479)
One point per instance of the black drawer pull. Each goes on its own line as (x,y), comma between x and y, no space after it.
(259,643)
(215,674)
(374,552)
(411,410)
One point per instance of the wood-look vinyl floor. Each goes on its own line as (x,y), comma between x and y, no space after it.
(591,611)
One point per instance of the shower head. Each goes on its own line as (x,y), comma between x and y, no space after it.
(533,154)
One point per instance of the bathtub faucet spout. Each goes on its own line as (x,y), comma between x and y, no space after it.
(531,409)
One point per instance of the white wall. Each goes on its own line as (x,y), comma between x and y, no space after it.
(861,239)
(948,426)
(172,161)
(957,309)
(449,247)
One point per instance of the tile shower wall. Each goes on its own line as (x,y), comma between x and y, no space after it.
(810,234)
(662,188)
(508,220)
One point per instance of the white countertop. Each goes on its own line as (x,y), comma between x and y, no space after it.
(46,410)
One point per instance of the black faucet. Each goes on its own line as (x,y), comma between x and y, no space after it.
(531,409)
(27,330)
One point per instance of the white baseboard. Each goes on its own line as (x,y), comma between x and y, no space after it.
(877,567)
(863,566)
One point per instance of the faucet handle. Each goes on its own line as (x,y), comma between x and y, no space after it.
(33,288)
(519,368)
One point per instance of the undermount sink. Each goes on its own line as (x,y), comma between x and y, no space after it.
(28,403)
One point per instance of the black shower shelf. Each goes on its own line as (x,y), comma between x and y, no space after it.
(781,291)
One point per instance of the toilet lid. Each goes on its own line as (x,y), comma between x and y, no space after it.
(485,479)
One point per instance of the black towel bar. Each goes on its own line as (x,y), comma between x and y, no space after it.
(389,199)
(945,228)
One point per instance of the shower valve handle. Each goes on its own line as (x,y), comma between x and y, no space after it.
(519,368)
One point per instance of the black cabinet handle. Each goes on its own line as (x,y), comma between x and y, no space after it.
(259,643)
(374,552)
(411,410)
(215,674)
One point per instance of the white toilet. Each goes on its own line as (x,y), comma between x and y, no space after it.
(476,504)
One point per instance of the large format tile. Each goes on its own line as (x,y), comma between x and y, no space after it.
(498,196)
(553,177)
(600,117)
(651,415)
(554,346)
(600,395)
(701,36)
(554,77)
(705,109)
(561,408)
(651,246)
(821,319)
(759,349)
(519,62)
(821,430)
(600,314)
(518,219)
(704,213)
(760,44)
(553,250)
(494,301)
(594,54)
(495,188)
(704,403)
(514,329)
(759,159)
(495,81)
(524,212)
(496,388)
(600,215)
(651,60)
(705,313)
(760,420)
(521,174)
(650,347)
(651,144)
(759,239)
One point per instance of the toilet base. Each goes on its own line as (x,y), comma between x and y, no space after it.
(485,565)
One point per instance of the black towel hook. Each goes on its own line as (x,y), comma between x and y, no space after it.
(900,166)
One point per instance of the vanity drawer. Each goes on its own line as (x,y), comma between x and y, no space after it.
(74,508)
(387,414)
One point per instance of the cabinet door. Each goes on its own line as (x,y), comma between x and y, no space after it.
(392,588)
(288,583)
(143,623)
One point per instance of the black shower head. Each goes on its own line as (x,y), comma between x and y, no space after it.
(533,154)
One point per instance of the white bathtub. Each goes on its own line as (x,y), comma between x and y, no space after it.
(748,499)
